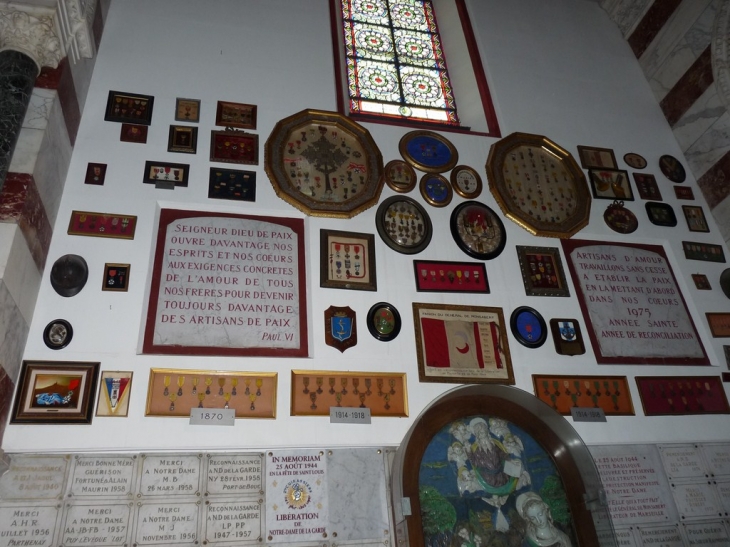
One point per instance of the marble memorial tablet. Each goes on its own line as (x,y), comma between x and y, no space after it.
(170,474)
(666,536)
(34,477)
(167,524)
(235,474)
(717,457)
(232,522)
(683,461)
(93,523)
(28,523)
(707,534)
(696,500)
(722,489)
(102,476)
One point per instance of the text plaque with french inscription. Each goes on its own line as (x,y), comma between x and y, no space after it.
(34,477)
(233,522)
(170,474)
(100,476)
(717,457)
(97,523)
(696,500)
(683,461)
(235,474)
(707,534)
(34,524)
(168,523)
(666,536)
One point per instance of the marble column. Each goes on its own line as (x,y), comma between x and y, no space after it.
(17,76)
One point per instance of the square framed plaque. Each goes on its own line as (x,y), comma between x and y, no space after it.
(647,186)
(610,184)
(719,323)
(695,217)
(95,174)
(163,174)
(701,282)
(234,147)
(684,192)
(443,276)
(114,391)
(129,108)
(347,260)
(187,110)
(55,392)
(592,157)
(116,277)
(542,271)
(461,344)
(183,139)
(133,133)
(567,336)
(232,184)
(235,115)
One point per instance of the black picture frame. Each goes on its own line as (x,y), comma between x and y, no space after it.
(164,174)
(661,214)
(183,139)
(521,323)
(672,168)
(58,334)
(404,225)
(478,230)
(388,326)
(125,107)
(232,184)
(611,184)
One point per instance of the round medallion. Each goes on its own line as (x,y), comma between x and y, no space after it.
(403,225)
(436,190)
(384,322)
(634,160)
(672,169)
(466,182)
(69,274)
(399,176)
(58,334)
(477,230)
(620,219)
(428,151)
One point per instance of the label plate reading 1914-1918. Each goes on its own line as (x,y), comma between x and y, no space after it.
(343,415)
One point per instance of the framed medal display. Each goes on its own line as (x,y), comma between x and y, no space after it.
(403,225)
(477,230)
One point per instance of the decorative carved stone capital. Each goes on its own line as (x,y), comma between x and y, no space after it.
(721,52)
(31,30)
(76,18)
(626,13)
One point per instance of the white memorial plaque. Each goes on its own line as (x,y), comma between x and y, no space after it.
(717,457)
(28,525)
(97,523)
(34,477)
(624,538)
(722,489)
(235,474)
(666,536)
(167,524)
(233,522)
(683,461)
(102,476)
(696,500)
(170,474)
(297,508)
(636,487)
(707,534)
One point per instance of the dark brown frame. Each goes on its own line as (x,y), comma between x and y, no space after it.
(191,148)
(368,243)
(110,116)
(702,220)
(225,108)
(184,169)
(583,151)
(530,290)
(181,103)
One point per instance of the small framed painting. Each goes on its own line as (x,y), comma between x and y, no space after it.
(542,271)
(95,174)
(347,260)
(701,282)
(114,391)
(55,392)
(133,133)
(684,192)
(183,139)
(116,277)
(647,186)
(234,147)
(163,174)
(596,158)
(610,184)
(236,115)
(129,108)
(187,110)
(695,217)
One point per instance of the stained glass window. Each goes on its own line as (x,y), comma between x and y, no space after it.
(395,62)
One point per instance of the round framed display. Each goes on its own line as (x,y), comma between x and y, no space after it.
(528,327)
(466,182)
(58,334)
(725,282)
(399,176)
(672,169)
(428,151)
(403,225)
(436,190)
(634,160)
(384,321)
(477,230)
(620,219)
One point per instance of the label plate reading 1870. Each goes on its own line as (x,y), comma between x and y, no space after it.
(344,415)
(212,416)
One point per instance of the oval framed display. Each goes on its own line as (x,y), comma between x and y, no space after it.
(428,151)
(399,176)
(620,219)
(466,182)
(477,230)
(403,225)
(58,334)
(672,169)
(528,327)
(637,161)
(384,322)
(436,190)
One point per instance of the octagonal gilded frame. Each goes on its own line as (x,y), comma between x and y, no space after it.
(533,178)
(324,164)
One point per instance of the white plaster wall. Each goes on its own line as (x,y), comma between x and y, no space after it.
(557,68)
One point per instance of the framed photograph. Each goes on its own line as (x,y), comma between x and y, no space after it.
(542,271)
(234,147)
(129,108)
(684,192)
(660,395)
(647,186)
(443,276)
(399,176)
(461,344)
(116,277)
(707,252)
(95,174)
(173,392)
(695,217)
(477,230)
(610,393)
(163,174)
(403,225)
(232,184)
(719,323)
(235,115)
(187,110)
(347,260)
(133,133)
(183,139)
(466,182)
(114,392)
(701,282)
(384,321)
(88,223)
(634,160)
(610,184)
(672,169)
(660,214)
(528,327)
(58,334)
(436,190)
(592,157)
(55,392)
(428,151)
(567,336)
